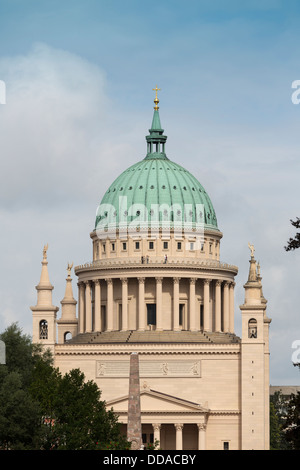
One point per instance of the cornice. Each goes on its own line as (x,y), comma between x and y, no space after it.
(134,264)
(146,349)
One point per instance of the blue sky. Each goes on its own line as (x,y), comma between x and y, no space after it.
(79,78)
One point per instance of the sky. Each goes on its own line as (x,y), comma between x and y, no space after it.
(78,104)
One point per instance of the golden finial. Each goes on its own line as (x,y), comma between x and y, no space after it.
(156,101)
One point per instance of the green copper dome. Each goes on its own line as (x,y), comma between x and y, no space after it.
(156,192)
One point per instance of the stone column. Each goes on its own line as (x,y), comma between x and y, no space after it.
(142,307)
(159,303)
(201,436)
(97,306)
(81,306)
(218,305)
(226,307)
(88,307)
(134,426)
(110,305)
(124,304)
(156,429)
(231,307)
(192,304)
(206,323)
(176,304)
(179,439)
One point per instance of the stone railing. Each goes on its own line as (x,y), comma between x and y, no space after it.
(154,262)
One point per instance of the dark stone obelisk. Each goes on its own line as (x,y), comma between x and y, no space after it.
(134,426)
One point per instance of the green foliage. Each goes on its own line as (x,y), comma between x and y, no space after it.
(40,409)
(292,424)
(294,243)
(81,420)
(275,429)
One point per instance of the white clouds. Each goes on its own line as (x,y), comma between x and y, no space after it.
(56,104)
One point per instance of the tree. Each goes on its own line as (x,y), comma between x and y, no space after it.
(81,421)
(20,425)
(292,425)
(294,243)
(274,429)
(278,413)
(40,409)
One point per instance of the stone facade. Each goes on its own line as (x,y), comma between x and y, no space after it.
(170,301)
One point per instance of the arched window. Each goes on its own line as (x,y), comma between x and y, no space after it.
(43,329)
(252,328)
(67,336)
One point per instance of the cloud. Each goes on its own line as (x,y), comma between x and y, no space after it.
(51,126)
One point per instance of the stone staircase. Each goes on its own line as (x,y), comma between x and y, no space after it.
(153,336)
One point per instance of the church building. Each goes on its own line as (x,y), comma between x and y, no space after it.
(156,286)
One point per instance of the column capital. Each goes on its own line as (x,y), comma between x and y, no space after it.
(156,426)
(141,280)
(176,280)
(218,282)
(109,280)
(193,280)
(87,283)
(232,285)
(226,283)
(124,280)
(159,279)
(178,426)
(97,282)
(207,281)
(201,426)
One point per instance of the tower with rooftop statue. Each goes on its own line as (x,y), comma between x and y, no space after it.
(156,286)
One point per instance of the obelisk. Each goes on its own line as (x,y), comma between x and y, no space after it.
(134,426)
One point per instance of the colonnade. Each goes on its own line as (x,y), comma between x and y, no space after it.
(179,435)
(217,304)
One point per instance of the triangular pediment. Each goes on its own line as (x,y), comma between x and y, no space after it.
(155,401)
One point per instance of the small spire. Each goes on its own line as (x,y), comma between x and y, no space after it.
(156,101)
(44,280)
(68,311)
(156,140)
(69,292)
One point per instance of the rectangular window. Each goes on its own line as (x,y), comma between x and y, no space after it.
(113,247)
(124,246)
(192,246)
(181,314)
(103,247)
(201,317)
(151,314)
(103,317)
(165,245)
(226,445)
(137,245)
(151,245)
(179,245)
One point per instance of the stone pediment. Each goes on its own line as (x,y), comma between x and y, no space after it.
(157,402)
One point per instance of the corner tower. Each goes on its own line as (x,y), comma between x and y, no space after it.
(44,313)
(255,362)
